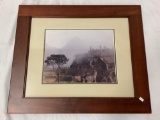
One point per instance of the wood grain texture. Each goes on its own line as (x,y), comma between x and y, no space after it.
(78,11)
(18,103)
(79,105)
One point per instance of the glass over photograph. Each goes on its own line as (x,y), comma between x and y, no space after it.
(79,56)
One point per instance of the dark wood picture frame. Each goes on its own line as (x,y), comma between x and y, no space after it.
(17,103)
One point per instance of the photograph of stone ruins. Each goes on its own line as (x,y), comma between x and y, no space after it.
(79,57)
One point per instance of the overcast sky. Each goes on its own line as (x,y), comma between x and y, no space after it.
(93,38)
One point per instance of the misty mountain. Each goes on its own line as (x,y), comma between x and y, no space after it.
(73,47)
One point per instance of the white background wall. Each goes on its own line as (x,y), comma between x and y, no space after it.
(151,25)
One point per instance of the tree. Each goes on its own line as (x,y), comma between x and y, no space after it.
(58,60)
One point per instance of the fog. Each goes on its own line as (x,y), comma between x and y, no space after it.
(72,42)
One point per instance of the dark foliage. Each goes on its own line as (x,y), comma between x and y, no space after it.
(56,59)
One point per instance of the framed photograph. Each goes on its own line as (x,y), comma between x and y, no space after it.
(79,59)
(79,56)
